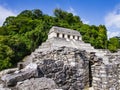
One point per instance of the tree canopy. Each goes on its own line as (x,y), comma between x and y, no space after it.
(20,35)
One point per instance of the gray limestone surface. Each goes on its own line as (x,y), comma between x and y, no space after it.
(29,71)
(67,67)
(37,84)
(64,31)
(64,64)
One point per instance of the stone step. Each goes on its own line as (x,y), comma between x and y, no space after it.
(85,47)
(81,43)
(90,50)
(100,54)
(46,43)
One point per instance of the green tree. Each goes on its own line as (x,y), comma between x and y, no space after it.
(20,35)
(113,44)
(6,53)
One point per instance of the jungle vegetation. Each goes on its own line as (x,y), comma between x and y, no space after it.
(21,34)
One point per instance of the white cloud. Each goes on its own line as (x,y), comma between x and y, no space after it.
(4,12)
(112,34)
(113,19)
(112,22)
(85,21)
(72,10)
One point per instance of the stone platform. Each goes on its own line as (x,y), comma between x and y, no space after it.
(68,63)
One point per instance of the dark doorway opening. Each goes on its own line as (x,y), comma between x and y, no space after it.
(57,34)
(73,37)
(63,35)
(69,36)
(78,38)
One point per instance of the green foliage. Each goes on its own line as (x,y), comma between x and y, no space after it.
(114,44)
(6,53)
(20,35)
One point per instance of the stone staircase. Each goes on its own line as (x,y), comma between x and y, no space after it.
(100,53)
(59,42)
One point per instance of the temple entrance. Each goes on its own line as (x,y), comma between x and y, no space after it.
(63,35)
(58,34)
(73,37)
(68,36)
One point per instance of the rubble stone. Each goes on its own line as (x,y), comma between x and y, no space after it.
(65,62)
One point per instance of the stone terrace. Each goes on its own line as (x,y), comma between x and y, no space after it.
(105,73)
(69,63)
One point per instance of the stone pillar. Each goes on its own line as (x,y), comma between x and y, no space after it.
(80,38)
(66,36)
(76,37)
(71,37)
(60,35)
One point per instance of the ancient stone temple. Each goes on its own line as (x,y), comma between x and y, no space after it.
(58,37)
(106,67)
(65,62)
(64,33)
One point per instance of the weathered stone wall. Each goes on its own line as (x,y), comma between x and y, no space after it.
(107,76)
(69,67)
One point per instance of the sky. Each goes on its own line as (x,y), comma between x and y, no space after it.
(92,12)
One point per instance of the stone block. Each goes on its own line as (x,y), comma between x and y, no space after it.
(26,73)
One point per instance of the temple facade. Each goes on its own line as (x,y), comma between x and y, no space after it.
(64,33)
